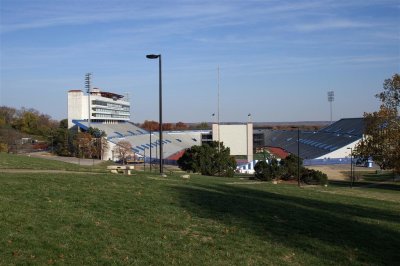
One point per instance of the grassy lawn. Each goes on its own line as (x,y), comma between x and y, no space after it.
(13,161)
(380,177)
(83,219)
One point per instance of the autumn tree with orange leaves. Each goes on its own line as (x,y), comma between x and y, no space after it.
(381,140)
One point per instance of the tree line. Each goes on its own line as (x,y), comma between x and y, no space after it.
(28,121)
(18,123)
(151,125)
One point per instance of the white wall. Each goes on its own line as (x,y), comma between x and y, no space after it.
(108,154)
(239,138)
(77,106)
(340,153)
(249,142)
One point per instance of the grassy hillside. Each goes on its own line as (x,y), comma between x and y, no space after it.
(14,161)
(144,219)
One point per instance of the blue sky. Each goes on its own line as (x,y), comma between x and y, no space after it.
(277,59)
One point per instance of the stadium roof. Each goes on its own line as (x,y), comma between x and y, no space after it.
(314,144)
(348,126)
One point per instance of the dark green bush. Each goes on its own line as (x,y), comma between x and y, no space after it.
(261,170)
(267,171)
(289,167)
(313,177)
(209,159)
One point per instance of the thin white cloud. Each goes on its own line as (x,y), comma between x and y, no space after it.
(332,25)
(43,15)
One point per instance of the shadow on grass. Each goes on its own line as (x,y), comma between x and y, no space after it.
(366,184)
(331,231)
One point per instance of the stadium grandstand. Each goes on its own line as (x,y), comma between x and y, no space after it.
(142,141)
(329,145)
(332,141)
(110,112)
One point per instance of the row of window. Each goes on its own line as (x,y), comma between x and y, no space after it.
(111,105)
(109,111)
(111,116)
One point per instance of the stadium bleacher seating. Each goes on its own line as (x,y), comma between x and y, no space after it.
(314,144)
(173,142)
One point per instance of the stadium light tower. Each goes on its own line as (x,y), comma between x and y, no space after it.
(88,77)
(155,56)
(331,98)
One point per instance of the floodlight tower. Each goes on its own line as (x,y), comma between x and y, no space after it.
(88,77)
(331,98)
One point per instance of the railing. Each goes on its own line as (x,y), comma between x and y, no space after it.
(165,161)
(327,161)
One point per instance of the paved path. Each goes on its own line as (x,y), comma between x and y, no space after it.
(46,155)
(46,171)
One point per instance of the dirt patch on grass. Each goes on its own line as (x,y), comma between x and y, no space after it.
(340,171)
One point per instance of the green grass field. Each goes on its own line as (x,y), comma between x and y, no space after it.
(13,161)
(84,219)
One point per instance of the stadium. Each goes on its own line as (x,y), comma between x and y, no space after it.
(110,112)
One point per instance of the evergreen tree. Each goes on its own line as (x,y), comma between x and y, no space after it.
(210,159)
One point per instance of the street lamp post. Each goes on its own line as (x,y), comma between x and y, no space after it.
(150,149)
(155,56)
(298,157)
(351,167)
(156,149)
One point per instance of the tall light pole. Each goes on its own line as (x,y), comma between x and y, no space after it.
(351,167)
(331,98)
(150,148)
(155,56)
(219,132)
(298,157)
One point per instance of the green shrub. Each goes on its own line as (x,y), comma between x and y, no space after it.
(209,159)
(267,171)
(313,177)
(261,170)
(289,167)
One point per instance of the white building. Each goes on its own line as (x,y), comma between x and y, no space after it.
(238,137)
(98,106)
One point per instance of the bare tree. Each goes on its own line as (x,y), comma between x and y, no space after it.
(85,144)
(123,149)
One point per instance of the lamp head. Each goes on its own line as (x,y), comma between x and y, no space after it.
(153,56)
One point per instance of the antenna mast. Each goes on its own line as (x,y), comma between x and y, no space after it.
(88,87)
